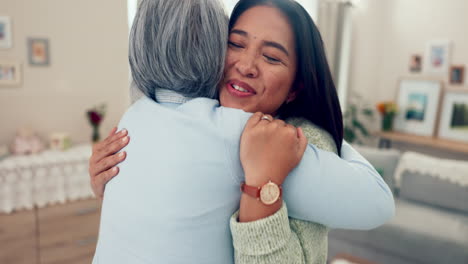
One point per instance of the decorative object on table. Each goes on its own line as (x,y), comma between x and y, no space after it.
(454,118)
(457,74)
(388,111)
(10,73)
(415,63)
(355,118)
(59,141)
(95,116)
(26,142)
(5,32)
(437,57)
(38,51)
(418,101)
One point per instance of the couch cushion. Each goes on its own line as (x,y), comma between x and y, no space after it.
(419,232)
(434,191)
(384,161)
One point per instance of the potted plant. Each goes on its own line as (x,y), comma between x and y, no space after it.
(355,118)
(388,111)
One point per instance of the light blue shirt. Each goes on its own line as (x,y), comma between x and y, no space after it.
(179,186)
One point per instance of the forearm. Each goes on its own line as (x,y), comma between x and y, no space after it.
(268,240)
(344,192)
(252,209)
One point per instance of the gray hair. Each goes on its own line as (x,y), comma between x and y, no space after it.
(179,45)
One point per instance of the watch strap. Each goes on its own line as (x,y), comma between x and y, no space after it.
(251,190)
(255,191)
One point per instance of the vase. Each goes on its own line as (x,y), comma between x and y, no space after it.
(96,137)
(387,122)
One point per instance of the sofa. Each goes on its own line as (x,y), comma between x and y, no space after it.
(430,224)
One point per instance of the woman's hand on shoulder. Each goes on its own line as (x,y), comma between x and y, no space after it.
(270,149)
(103,161)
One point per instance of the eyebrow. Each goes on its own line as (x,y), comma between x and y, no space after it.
(265,43)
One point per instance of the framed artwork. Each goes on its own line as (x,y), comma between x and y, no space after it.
(5,33)
(454,118)
(437,57)
(415,63)
(418,102)
(38,50)
(457,74)
(10,73)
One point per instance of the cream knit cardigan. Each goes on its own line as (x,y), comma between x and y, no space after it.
(278,239)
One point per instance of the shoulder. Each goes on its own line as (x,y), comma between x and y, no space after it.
(315,135)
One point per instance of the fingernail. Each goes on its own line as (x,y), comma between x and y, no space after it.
(114,169)
(123,131)
(121,154)
(125,139)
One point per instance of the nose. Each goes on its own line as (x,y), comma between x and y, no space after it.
(247,66)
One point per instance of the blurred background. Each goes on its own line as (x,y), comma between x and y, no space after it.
(399,67)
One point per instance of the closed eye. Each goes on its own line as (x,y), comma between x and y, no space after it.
(235,45)
(271,59)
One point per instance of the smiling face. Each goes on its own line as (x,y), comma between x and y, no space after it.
(260,63)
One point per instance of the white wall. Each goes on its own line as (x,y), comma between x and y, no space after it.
(310,5)
(387,33)
(88,47)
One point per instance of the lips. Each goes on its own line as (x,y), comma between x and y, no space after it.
(239,89)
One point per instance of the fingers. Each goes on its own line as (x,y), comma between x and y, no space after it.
(99,183)
(112,132)
(111,148)
(266,118)
(114,137)
(107,162)
(253,120)
(279,123)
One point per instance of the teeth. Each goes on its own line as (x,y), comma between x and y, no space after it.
(239,88)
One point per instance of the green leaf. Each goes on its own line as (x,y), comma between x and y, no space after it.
(359,126)
(368,112)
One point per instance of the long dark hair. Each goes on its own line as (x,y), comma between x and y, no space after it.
(317,99)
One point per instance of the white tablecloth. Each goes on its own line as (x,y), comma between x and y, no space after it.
(46,178)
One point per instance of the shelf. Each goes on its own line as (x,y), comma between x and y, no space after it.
(433,142)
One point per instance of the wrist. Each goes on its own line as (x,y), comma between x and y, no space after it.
(260,178)
(252,209)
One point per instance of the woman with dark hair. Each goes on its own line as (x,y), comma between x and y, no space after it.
(274,64)
(316,99)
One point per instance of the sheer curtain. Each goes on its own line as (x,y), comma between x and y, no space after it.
(335,24)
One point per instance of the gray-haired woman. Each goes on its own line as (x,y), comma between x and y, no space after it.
(173,183)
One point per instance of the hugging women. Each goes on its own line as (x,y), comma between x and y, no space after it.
(200,182)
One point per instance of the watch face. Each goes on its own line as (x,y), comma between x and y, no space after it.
(269,193)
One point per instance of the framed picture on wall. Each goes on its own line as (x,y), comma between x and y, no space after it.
(415,63)
(5,33)
(10,73)
(418,102)
(38,51)
(454,116)
(457,74)
(437,57)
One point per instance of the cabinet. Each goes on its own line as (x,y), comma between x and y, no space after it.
(51,235)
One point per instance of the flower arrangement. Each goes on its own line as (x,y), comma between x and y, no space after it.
(95,116)
(388,110)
